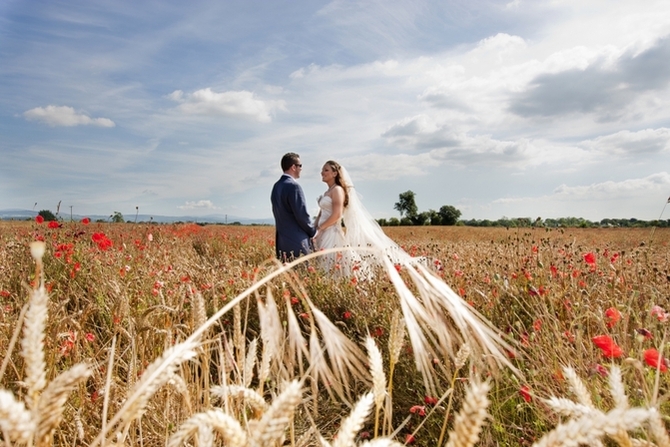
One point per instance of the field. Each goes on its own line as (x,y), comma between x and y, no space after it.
(153,335)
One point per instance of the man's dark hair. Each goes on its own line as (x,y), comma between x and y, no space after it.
(289,160)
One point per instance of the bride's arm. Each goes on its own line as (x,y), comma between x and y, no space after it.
(337,197)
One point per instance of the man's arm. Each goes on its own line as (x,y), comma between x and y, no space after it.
(299,208)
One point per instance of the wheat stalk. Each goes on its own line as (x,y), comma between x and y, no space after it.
(591,428)
(32,345)
(250,362)
(657,428)
(229,429)
(271,427)
(378,377)
(578,387)
(51,402)
(470,419)
(247,395)
(381,442)
(354,422)
(566,407)
(16,421)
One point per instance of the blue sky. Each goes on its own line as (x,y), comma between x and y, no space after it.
(499,108)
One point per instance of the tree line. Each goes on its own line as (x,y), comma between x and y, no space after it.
(449,215)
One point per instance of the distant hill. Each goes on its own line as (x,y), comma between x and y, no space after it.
(20,214)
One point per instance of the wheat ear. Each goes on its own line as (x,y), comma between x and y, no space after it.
(617,389)
(378,377)
(354,422)
(578,387)
(395,344)
(566,407)
(382,442)
(462,357)
(52,401)
(469,421)
(250,397)
(271,334)
(229,429)
(591,428)
(250,362)
(657,428)
(273,424)
(16,421)
(32,345)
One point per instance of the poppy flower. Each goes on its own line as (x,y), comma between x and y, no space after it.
(613,316)
(39,219)
(525,393)
(654,359)
(430,400)
(589,258)
(660,313)
(418,409)
(608,346)
(600,369)
(53,224)
(86,221)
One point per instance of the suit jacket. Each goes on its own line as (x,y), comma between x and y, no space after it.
(292,222)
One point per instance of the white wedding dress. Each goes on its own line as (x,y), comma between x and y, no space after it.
(330,237)
(366,246)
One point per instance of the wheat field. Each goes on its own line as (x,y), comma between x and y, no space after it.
(154,335)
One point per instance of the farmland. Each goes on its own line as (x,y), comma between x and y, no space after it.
(121,296)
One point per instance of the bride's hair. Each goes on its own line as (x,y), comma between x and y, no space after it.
(335,166)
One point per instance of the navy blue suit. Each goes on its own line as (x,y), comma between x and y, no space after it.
(292,223)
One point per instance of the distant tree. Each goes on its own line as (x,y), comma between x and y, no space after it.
(434,217)
(407,205)
(47,215)
(393,222)
(117,217)
(449,215)
(422,218)
(406,221)
(382,222)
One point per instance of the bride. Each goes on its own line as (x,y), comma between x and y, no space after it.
(343,221)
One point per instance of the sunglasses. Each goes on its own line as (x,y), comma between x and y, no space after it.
(298,165)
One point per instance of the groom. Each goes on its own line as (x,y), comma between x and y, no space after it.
(293,227)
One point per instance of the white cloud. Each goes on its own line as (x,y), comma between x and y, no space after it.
(635,144)
(240,104)
(64,116)
(611,190)
(200,204)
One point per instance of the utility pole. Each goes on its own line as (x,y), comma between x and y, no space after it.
(71,213)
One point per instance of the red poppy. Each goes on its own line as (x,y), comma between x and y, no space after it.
(409,439)
(86,221)
(525,393)
(589,258)
(600,369)
(654,359)
(609,348)
(660,313)
(53,224)
(430,400)
(39,219)
(418,409)
(613,316)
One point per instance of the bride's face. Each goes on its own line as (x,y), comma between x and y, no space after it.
(328,174)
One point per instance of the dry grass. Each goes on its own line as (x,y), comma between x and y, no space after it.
(159,340)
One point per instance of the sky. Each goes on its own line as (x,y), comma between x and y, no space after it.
(512,108)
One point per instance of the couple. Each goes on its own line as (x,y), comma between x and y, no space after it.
(342,220)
